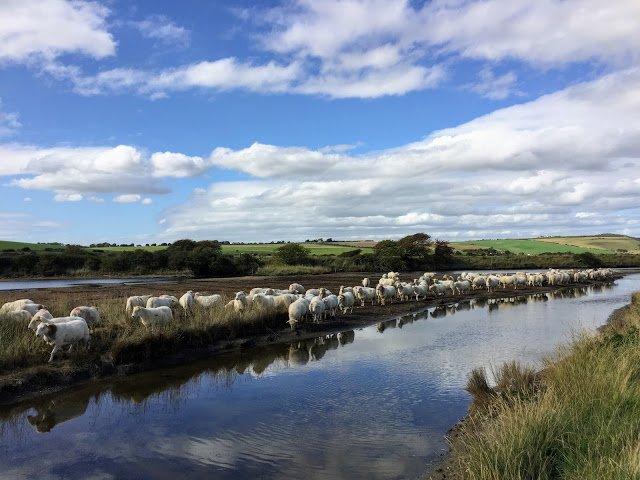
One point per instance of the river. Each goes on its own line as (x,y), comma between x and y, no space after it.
(374,403)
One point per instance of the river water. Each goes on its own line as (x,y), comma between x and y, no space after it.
(374,403)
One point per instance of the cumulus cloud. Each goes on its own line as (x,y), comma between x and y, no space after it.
(496,87)
(9,122)
(529,168)
(79,170)
(163,29)
(127,198)
(68,197)
(47,29)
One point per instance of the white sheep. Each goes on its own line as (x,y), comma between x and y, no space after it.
(365,282)
(346,301)
(438,289)
(331,304)
(317,309)
(62,333)
(136,301)
(264,301)
(479,282)
(208,301)
(420,290)
(492,282)
(344,289)
(282,302)
(462,286)
(404,291)
(296,288)
(41,315)
(152,317)
(235,305)
(17,305)
(384,293)
(187,301)
(89,314)
(297,311)
(365,294)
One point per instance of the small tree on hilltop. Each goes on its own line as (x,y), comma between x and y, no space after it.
(292,254)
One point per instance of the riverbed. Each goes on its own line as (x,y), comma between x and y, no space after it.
(371,403)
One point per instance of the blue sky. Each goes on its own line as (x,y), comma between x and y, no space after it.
(151,121)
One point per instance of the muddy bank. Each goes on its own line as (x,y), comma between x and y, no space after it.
(35,381)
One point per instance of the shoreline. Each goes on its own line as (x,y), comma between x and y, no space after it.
(445,467)
(33,382)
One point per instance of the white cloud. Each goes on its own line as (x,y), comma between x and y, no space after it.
(47,29)
(127,198)
(495,87)
(9,122)
(529,168)
(22,226)
(79,170)
(67,197)
(147,201)
(161,28)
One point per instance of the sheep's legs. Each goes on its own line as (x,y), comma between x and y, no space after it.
(55,350)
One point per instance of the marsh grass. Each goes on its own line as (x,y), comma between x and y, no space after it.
(119,339)
(579,419)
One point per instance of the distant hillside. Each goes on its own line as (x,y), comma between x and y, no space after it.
(609,243)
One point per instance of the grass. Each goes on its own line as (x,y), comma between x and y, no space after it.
(578,244)
(578,419)
(123,341)
(9,245)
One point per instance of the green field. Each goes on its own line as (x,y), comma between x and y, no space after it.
(8,245)
(151,248)
(534,246)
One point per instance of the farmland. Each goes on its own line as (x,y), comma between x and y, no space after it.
(535,246)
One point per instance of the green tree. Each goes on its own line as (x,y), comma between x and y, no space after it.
(292,254)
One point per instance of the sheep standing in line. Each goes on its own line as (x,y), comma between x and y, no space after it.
(208,301)
(365,282)
(136,301)
(346,301)
(62,333)
(317,309)
(153,316)
(187,302)
(331,304)
(89,314)
(297,311)
(296,288)
(384,293)
(365,294)
(41,315)
(22,304)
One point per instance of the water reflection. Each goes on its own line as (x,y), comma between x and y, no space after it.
(372,403)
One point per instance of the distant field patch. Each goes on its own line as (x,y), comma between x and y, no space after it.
(8,245)
(529,246)
(314,248)
(612,243)
(150,248)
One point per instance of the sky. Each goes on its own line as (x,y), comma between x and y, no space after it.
(154,120)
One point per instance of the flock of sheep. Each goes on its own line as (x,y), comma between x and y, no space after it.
(301,304)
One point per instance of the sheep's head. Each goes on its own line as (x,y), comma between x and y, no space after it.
(46,330)
(136,312)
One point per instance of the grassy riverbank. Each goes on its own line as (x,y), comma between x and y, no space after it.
(576,419)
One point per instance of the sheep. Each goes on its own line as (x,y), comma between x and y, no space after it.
(365,282)
(520,281)
(257,290)
(344,289)
(508,280)
(384,293)
(420,290)
(136,301)
(235,305)
(346,301)
(317,309)
(448,285)
(365,294)
(17,305)
(296,288)
(187,301)
(152,317)
(41,315)
(61,333)
(479,282)
(493,282)
(297,311)
(386,281)
(331,304)
(404,291)
(208,301)
(438,289)
(282,302)
(264,301)
(313,292)
(462,286)
(89,314)
(154,302)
